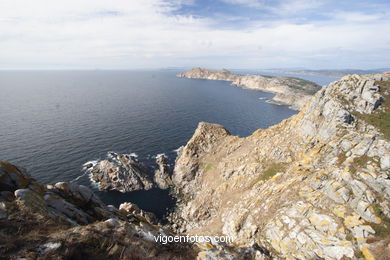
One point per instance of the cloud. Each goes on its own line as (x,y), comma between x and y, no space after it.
(356,16)
(279,7)
(251,3)
(147,34)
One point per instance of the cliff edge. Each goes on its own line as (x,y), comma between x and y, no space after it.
(290,91)
(315,186)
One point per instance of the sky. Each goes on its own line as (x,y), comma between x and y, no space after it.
(235,34)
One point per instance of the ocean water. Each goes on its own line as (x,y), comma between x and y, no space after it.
(52,122)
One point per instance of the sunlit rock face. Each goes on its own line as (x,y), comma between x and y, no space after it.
(315,185)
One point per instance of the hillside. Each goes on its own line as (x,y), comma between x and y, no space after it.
(317,185)
(290,91)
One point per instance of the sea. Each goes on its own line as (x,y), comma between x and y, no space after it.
(52,122)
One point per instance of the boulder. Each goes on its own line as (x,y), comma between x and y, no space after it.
(133,209)
(31,200)
(13,177)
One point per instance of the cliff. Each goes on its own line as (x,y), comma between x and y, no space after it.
(288,91)
(315,186)
(68,221)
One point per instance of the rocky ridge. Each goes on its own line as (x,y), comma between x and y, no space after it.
(315,186)
(289,91)
(68,221)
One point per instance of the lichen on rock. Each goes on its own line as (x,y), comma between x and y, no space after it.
(328,198)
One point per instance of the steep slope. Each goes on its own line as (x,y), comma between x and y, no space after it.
(68,221)
(315,185)
(289,91)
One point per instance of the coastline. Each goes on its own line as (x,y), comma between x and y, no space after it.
(293,92)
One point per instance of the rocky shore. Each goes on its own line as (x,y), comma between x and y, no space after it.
(315,186)
(124,173)
(290,91)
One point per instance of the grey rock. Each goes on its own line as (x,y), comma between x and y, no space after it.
(124,174)
(162,176)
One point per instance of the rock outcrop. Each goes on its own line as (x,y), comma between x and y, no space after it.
(162,176)
(68,221)
(315,186)
(290,91)
(123,173)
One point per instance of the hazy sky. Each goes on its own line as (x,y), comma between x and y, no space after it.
(131,34)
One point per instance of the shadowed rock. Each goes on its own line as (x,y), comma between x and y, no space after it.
(162,176)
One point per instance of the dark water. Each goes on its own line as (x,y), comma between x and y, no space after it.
(51,122)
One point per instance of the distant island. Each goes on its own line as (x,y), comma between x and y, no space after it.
(290,91)
(333,72)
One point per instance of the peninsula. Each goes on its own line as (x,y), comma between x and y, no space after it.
(315,186)
(288,90)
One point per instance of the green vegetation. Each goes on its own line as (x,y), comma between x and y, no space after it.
(377,209)
(272,170)
(305,85)
(380,118)
(359,162)
(382,230)
(207,166)
(341,158)
(268,76)
(359,254)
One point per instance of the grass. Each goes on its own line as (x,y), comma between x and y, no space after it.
(305,85)
(382,230)
(359,254)
(361,161)
(352,170)
(272,169)
(349,237)
(381,117)
(358,162)
(341,158)
(208,166)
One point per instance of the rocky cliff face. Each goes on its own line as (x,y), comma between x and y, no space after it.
(317,185)
(67,221)
(289,91)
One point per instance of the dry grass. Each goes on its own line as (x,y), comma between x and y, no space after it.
(381,117)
